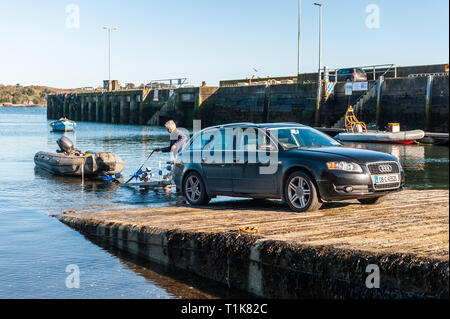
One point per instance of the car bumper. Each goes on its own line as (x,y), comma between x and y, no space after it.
(177,175)
(344,185)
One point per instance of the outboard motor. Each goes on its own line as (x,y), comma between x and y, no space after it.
(65,144)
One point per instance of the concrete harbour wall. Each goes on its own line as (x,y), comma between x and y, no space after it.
(419,102)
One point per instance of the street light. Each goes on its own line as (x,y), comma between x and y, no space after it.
(319,78)
(320,34)
(298,37)
(109,50)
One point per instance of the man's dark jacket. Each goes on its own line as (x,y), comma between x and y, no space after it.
(176,138)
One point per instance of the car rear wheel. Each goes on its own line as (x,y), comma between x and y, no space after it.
(194,190)
(300,193)
(372,201)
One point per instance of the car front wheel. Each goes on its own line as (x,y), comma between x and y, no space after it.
(194,189)
(300,193)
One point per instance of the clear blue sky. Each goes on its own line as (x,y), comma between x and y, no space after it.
(210,40)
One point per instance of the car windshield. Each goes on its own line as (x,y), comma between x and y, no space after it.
(299,137)
(345,71)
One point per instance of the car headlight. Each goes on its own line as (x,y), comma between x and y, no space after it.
(344,166)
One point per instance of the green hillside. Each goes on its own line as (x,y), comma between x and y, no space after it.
(33,95)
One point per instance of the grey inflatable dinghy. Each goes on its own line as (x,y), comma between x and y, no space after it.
(72,162)
(404,137)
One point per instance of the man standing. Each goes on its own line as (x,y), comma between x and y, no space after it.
(177,140)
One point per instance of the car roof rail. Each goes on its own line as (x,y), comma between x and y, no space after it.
(230,125)
(237,124)
(283,123)
(252,124)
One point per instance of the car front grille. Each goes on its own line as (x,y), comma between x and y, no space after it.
(383,168)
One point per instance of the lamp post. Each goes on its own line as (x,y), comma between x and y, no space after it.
(109,50)
(319,78)
(298,37)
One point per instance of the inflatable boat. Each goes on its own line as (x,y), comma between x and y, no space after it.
(356,131)
(403,137)
(63,125)
(72,162)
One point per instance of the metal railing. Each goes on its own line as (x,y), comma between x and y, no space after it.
(427,74)
(370,92)
(259,81)
(168,83)
(373,71)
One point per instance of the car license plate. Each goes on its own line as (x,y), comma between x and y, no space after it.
(386,179)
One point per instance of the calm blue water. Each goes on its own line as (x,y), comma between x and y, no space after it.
(35,248)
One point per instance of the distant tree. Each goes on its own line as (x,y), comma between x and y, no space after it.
(36,100)
(15,100)
(17,85)
(130,86)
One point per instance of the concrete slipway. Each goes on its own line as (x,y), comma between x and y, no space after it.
(322,254)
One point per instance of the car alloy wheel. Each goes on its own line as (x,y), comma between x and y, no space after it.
(194,189)
(300,193)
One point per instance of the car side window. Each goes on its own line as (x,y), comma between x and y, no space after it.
(228,139)
(247,140)
(287,139)
(202,140)
(252,139)
(209,142)
(212,140)
(212,146)
(196,143)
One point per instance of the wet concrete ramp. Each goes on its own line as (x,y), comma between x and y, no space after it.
(323,254)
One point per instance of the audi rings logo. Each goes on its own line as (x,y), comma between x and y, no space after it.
(385,168)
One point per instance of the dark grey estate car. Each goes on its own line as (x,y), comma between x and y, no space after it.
(352,74)
(290,161)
